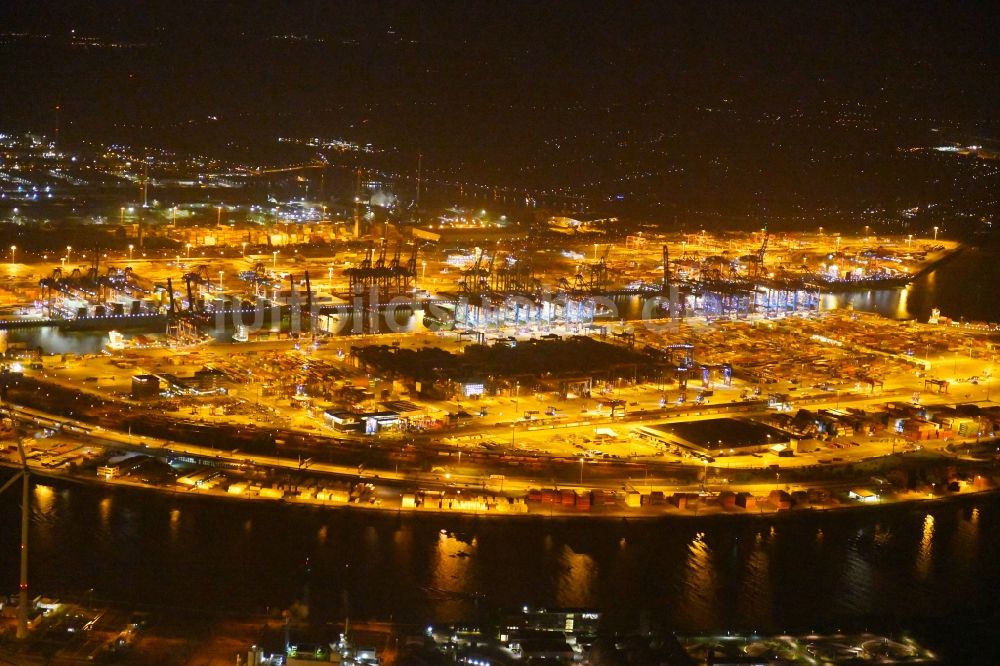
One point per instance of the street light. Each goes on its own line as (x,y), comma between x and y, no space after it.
(188,250)
(244,244)
(122,217)
(274,260)
(218,219)
(68,250)
(581,471)
(935,233)
(13,248)
(130,247)
(220,280)
(173,215)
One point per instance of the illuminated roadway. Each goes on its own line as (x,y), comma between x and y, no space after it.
(517,484)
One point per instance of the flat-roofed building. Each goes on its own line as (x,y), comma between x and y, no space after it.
(145,386)
(714,437)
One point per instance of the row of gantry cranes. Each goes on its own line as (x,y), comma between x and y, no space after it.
(502,288)
(391,276)
(115,291)
(506,282)
(92,293)
(119,291)
(505,273)
(743,286)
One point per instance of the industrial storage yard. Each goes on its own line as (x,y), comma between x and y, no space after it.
(802,410)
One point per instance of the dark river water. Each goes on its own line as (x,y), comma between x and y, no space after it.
(965,286)
(933,569)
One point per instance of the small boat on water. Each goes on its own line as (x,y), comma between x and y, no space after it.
(116,341)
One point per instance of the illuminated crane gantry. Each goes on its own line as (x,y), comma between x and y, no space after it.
(390,278)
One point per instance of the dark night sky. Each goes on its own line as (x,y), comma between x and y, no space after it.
(693,107)
(540,95)
(213,56)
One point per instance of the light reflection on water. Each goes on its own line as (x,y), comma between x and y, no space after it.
(961,287)
(105,509)
(902,312)
(577,579)
(922,565)
(700,585)
(44,497)
(175,521)
(813,570)
(454,575)
(886,302)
